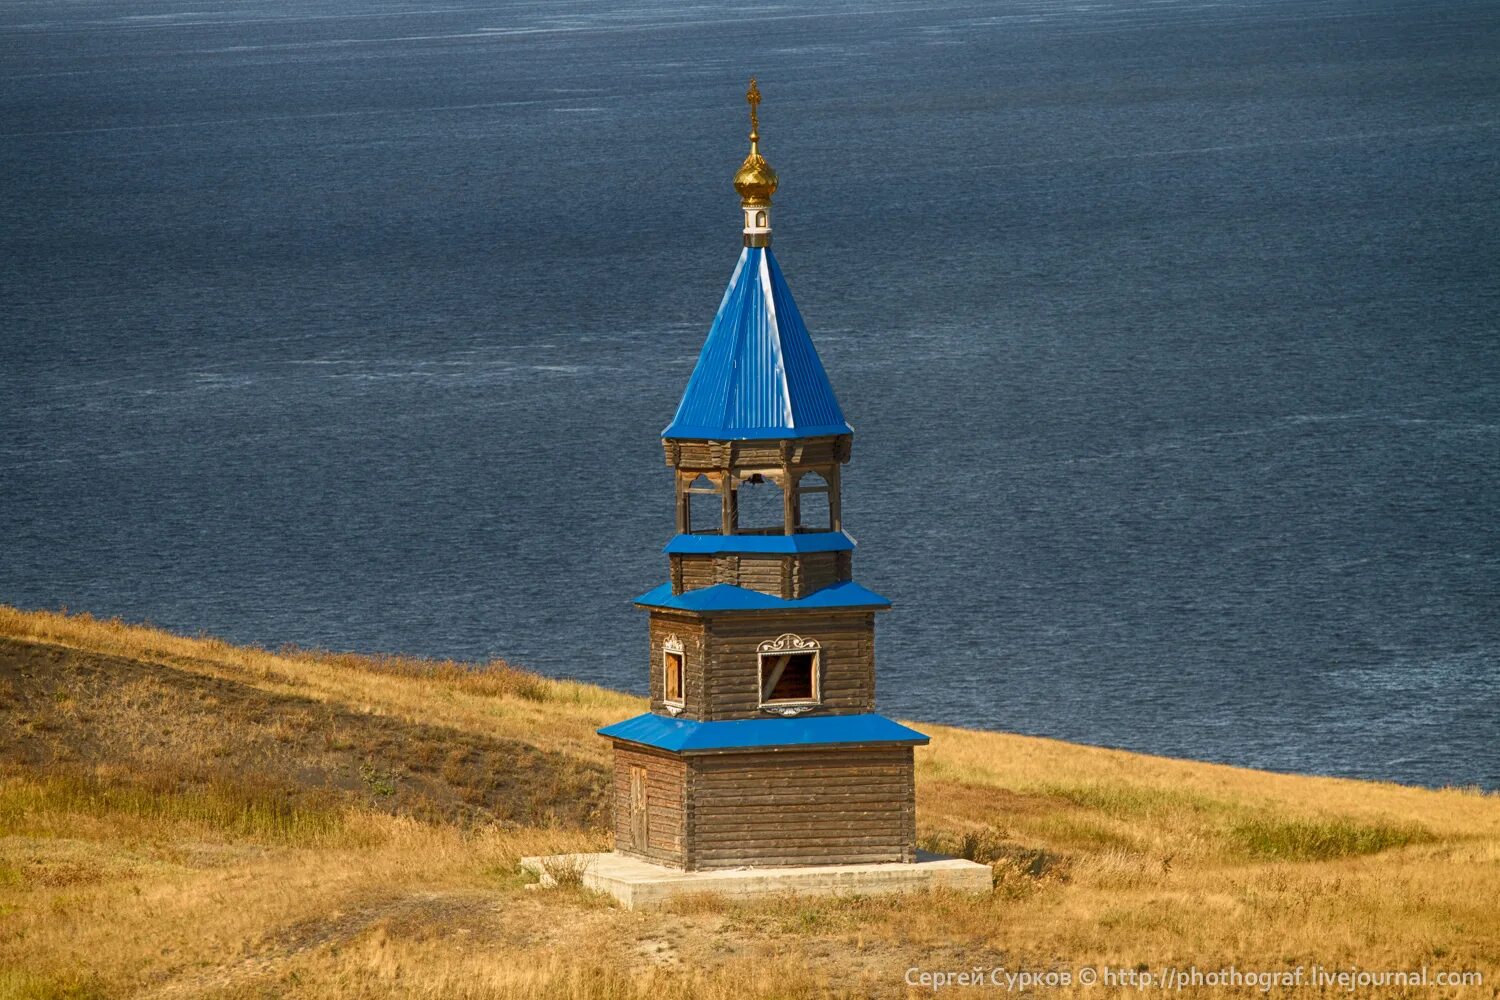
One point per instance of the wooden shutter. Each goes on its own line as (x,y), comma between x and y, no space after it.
(638,812)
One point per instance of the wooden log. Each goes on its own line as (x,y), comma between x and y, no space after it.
(709,862)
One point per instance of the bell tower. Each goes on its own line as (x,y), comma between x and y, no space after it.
(762,747)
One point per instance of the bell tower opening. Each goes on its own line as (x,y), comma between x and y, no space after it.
(701,508)
(760,508)
(814,508)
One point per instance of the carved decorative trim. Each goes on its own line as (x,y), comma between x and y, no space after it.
(672,644)
(788,642)
(672,710)
(787,711)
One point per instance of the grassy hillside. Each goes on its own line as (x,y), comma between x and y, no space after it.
(180,817)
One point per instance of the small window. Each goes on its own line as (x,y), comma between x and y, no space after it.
(671,686)
(789,671)
(788,677)
(760,219)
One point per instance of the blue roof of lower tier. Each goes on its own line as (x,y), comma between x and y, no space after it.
(687,736)
(813,541)
(759,375)
(727,597)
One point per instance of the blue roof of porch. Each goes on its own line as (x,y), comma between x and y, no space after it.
(689,736)
(728,597)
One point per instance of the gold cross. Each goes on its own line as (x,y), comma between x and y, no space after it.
(753,96)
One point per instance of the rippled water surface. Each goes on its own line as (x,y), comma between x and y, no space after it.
(1168,330)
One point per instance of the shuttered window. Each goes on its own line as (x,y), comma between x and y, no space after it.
(671,688)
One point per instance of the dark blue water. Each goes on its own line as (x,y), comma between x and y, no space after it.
(1169,331)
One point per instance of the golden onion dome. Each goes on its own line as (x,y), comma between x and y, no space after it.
(755,180)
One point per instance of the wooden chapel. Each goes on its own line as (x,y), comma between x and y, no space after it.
(762,747)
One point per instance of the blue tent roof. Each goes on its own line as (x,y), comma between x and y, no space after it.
(759,375)
(687,736)
(812,541)
(727,597)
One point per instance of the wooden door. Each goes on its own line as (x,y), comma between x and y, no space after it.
(638,809)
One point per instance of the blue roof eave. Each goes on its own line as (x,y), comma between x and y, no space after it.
(813,541)
(728,597)
(683,432)
(687,736)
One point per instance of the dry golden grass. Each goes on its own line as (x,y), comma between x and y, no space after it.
(492,698)
(138,875)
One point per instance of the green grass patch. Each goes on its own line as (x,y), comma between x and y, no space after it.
(43,806)
(1084,834)
(1129,802)
(12,877)
(21,984)
(1321,840)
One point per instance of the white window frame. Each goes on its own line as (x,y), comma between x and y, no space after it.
(673,647)
(786,645)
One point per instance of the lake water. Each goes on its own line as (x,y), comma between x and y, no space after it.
(1168,330)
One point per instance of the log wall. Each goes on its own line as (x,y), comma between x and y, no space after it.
(665,819)
(788,576)
(850,805)
(721,660)
(732,661)
(710,455)
(690,630)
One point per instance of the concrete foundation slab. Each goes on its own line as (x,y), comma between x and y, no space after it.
(640,885)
